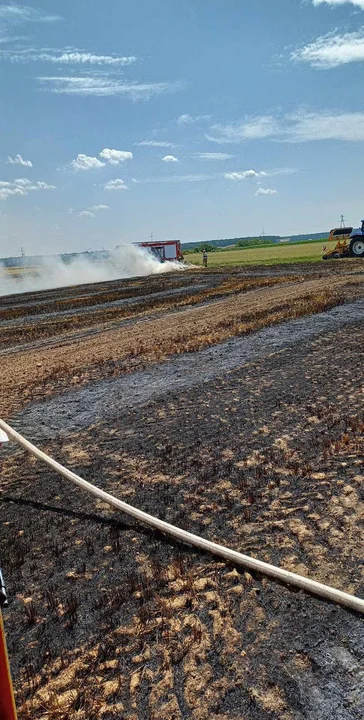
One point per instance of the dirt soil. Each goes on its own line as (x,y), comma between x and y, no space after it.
(258,447)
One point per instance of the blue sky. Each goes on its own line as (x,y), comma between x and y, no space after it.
(191,120)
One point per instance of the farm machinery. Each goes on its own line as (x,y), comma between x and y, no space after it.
(349,243)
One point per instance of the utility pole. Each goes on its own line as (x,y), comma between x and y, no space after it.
(22,252)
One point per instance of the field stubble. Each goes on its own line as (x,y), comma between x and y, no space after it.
(229,306)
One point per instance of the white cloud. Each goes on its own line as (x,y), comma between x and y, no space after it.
(13,13)
(42,186)
(85,162)
(220,140)
(71,58)
(306,126)
(115,185)
(115,157)
(251,128)
(5,193)
(280,171)
(300,126)
(86,213)
(156,143)
(207,177)
(330,51)
(106,86)
(22,182)
(90,212)
(184,119)
(191,119)
(18,160)
(244,175)
(21,186)
(5,39)
(182,178)
(66,57)
(170,159)
(266,191)
(335,3)
(213,156)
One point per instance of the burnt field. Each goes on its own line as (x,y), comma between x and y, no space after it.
(229,404)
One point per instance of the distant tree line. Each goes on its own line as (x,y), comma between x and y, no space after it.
(242,242)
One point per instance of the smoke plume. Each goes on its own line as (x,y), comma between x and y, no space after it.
(53,272)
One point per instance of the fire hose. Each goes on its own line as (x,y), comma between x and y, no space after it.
(299,581)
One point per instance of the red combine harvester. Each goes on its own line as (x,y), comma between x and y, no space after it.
(165,250)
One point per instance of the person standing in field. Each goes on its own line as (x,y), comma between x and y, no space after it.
(204,258)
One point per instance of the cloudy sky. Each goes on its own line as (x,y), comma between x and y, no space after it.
(190,120)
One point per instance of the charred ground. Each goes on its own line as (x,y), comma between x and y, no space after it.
(108,619)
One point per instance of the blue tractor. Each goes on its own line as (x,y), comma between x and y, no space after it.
(356,246)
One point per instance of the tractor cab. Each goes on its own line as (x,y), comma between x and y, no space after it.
(355,232)
(356,248)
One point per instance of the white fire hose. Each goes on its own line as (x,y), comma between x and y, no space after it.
(299,581)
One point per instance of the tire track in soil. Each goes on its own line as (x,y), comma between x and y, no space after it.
(80,408)
(94,309)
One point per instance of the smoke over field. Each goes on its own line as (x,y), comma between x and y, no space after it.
(53,272)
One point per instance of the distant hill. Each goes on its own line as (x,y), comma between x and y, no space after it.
(251,241)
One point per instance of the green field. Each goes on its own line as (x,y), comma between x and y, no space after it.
(14,271)
(285,253)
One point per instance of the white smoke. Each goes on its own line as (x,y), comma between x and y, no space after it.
(52,272)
